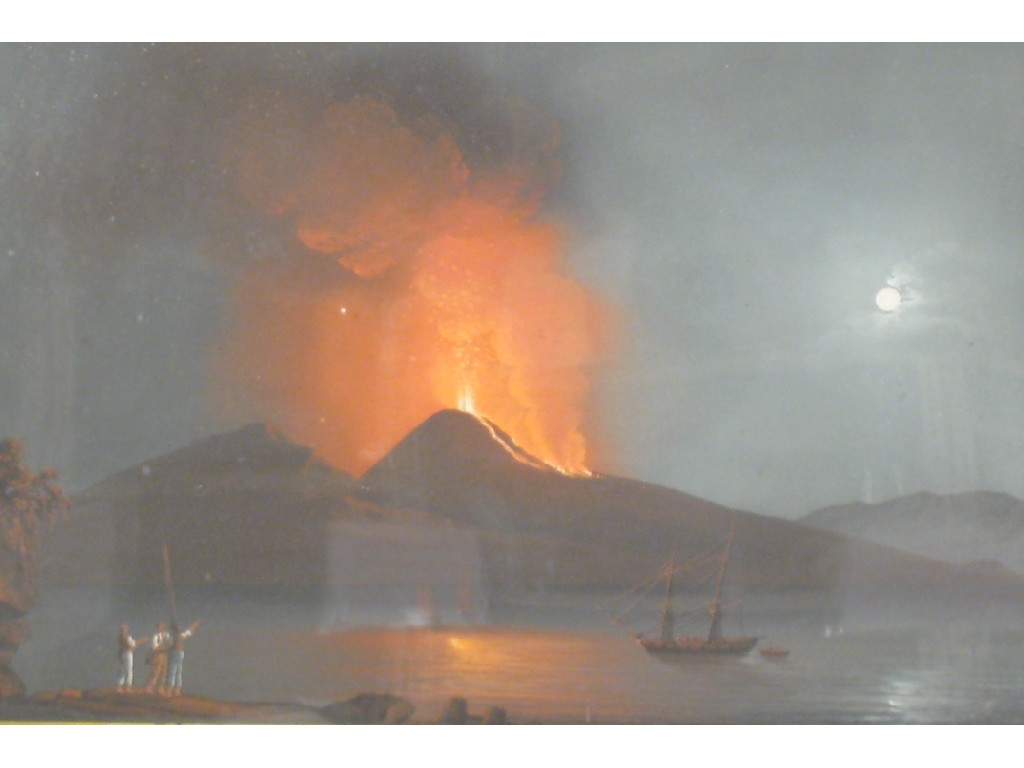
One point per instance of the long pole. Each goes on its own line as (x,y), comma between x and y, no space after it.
(158,502)
(169,583)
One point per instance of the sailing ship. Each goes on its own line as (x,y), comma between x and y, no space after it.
(714,643)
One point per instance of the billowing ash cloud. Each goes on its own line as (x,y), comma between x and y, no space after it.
(416,279)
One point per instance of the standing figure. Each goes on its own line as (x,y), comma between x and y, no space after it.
(174,672)
(126,655)
(157,659)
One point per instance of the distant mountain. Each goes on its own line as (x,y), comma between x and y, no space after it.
(958,528)
(543,528)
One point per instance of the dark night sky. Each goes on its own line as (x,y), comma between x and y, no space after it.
(739,205)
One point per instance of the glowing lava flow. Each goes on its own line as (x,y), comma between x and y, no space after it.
(519,454)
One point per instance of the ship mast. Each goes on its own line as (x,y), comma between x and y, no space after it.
(715,606)
(667,617)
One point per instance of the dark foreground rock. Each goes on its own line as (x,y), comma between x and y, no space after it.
(110,706)
(457,713)
(370,708)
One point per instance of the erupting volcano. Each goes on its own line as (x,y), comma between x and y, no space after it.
(407,280)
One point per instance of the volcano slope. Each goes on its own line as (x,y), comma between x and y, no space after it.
(544,529)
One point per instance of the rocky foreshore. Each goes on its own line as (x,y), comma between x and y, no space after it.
(111,706)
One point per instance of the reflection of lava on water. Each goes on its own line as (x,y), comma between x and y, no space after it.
(449,292)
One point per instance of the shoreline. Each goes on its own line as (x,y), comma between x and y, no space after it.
(73,705)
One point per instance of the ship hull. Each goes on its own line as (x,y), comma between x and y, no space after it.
(696,646)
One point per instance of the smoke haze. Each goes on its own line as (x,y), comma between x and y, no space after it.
(447,291)
(177,217)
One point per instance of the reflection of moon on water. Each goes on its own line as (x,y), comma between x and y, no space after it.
(888,299)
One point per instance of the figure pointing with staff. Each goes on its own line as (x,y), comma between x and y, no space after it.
(177,658)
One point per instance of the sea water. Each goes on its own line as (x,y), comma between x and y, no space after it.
(543,675)
(548,663)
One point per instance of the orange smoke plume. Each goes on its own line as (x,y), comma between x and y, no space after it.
(420,284)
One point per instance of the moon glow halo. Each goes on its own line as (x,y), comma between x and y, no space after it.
(888,299)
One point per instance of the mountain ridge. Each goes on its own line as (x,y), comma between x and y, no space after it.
(973,526)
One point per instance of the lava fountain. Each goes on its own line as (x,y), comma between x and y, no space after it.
(408,282)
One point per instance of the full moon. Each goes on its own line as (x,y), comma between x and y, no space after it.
(888,299)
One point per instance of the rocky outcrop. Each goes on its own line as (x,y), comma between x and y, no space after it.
(16,596)
(10,684)
(17,588)
(17,578)
(13,632)
(457,713)
(370,709)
